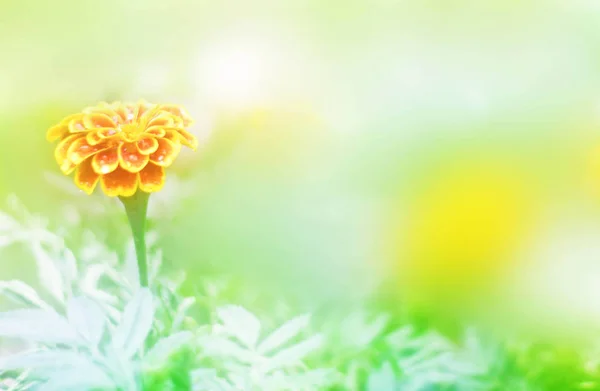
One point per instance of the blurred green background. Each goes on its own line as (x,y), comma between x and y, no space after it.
(443,153)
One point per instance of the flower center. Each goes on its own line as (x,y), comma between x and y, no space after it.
(131,129)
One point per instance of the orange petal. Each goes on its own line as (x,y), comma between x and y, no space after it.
(162,119)
(76,125)
(121,111)
(132,112)
(166,153)
(96,136)
(152,178)
(143,108)
(80,149)
(130,158)
(157,131)
(98,120)
(106,110)
(85,178)
(147,145)
(106,161)
(119,183)
(179,112)
(61,151)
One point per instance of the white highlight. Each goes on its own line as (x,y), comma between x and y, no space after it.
(237,72)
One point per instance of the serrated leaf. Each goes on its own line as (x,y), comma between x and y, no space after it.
(88,318)
(135,324)
(221,347)
(161,351)
(284,334)
(208,380)
(240,323)
(46,363)
(22,293)
(48,273)
(37,325)
(77,380)
(294,354)
(317,379)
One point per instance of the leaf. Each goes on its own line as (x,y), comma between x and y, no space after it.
(371,331)
(240,323)
(48,273)
(22,293)
(135,323)
(182,309)
(130,269)
(317,379)
(69,266)
(400,338)
(358,332)
(37,325)
(284,333)
(88,318)
(46,363)
(208,380)
(383,379)
(76,380)
(161,351)
(66,370)
(214,346)
(293,355)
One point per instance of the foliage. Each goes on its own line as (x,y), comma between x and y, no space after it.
(89,326)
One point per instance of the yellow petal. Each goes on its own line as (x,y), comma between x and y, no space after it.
(85,178)
(143,108)
(98,120)
(61,129)
(61,151)
(157,131)
(96,136)
(179,112)
(162,119)
(187,138)
(76,125)
(80,149)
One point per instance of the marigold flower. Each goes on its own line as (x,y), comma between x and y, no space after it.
(124,146)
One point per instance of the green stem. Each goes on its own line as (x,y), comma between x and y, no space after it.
(136,207)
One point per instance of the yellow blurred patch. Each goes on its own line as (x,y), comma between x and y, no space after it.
(463,228)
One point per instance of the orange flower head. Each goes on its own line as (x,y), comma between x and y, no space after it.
(124,146)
